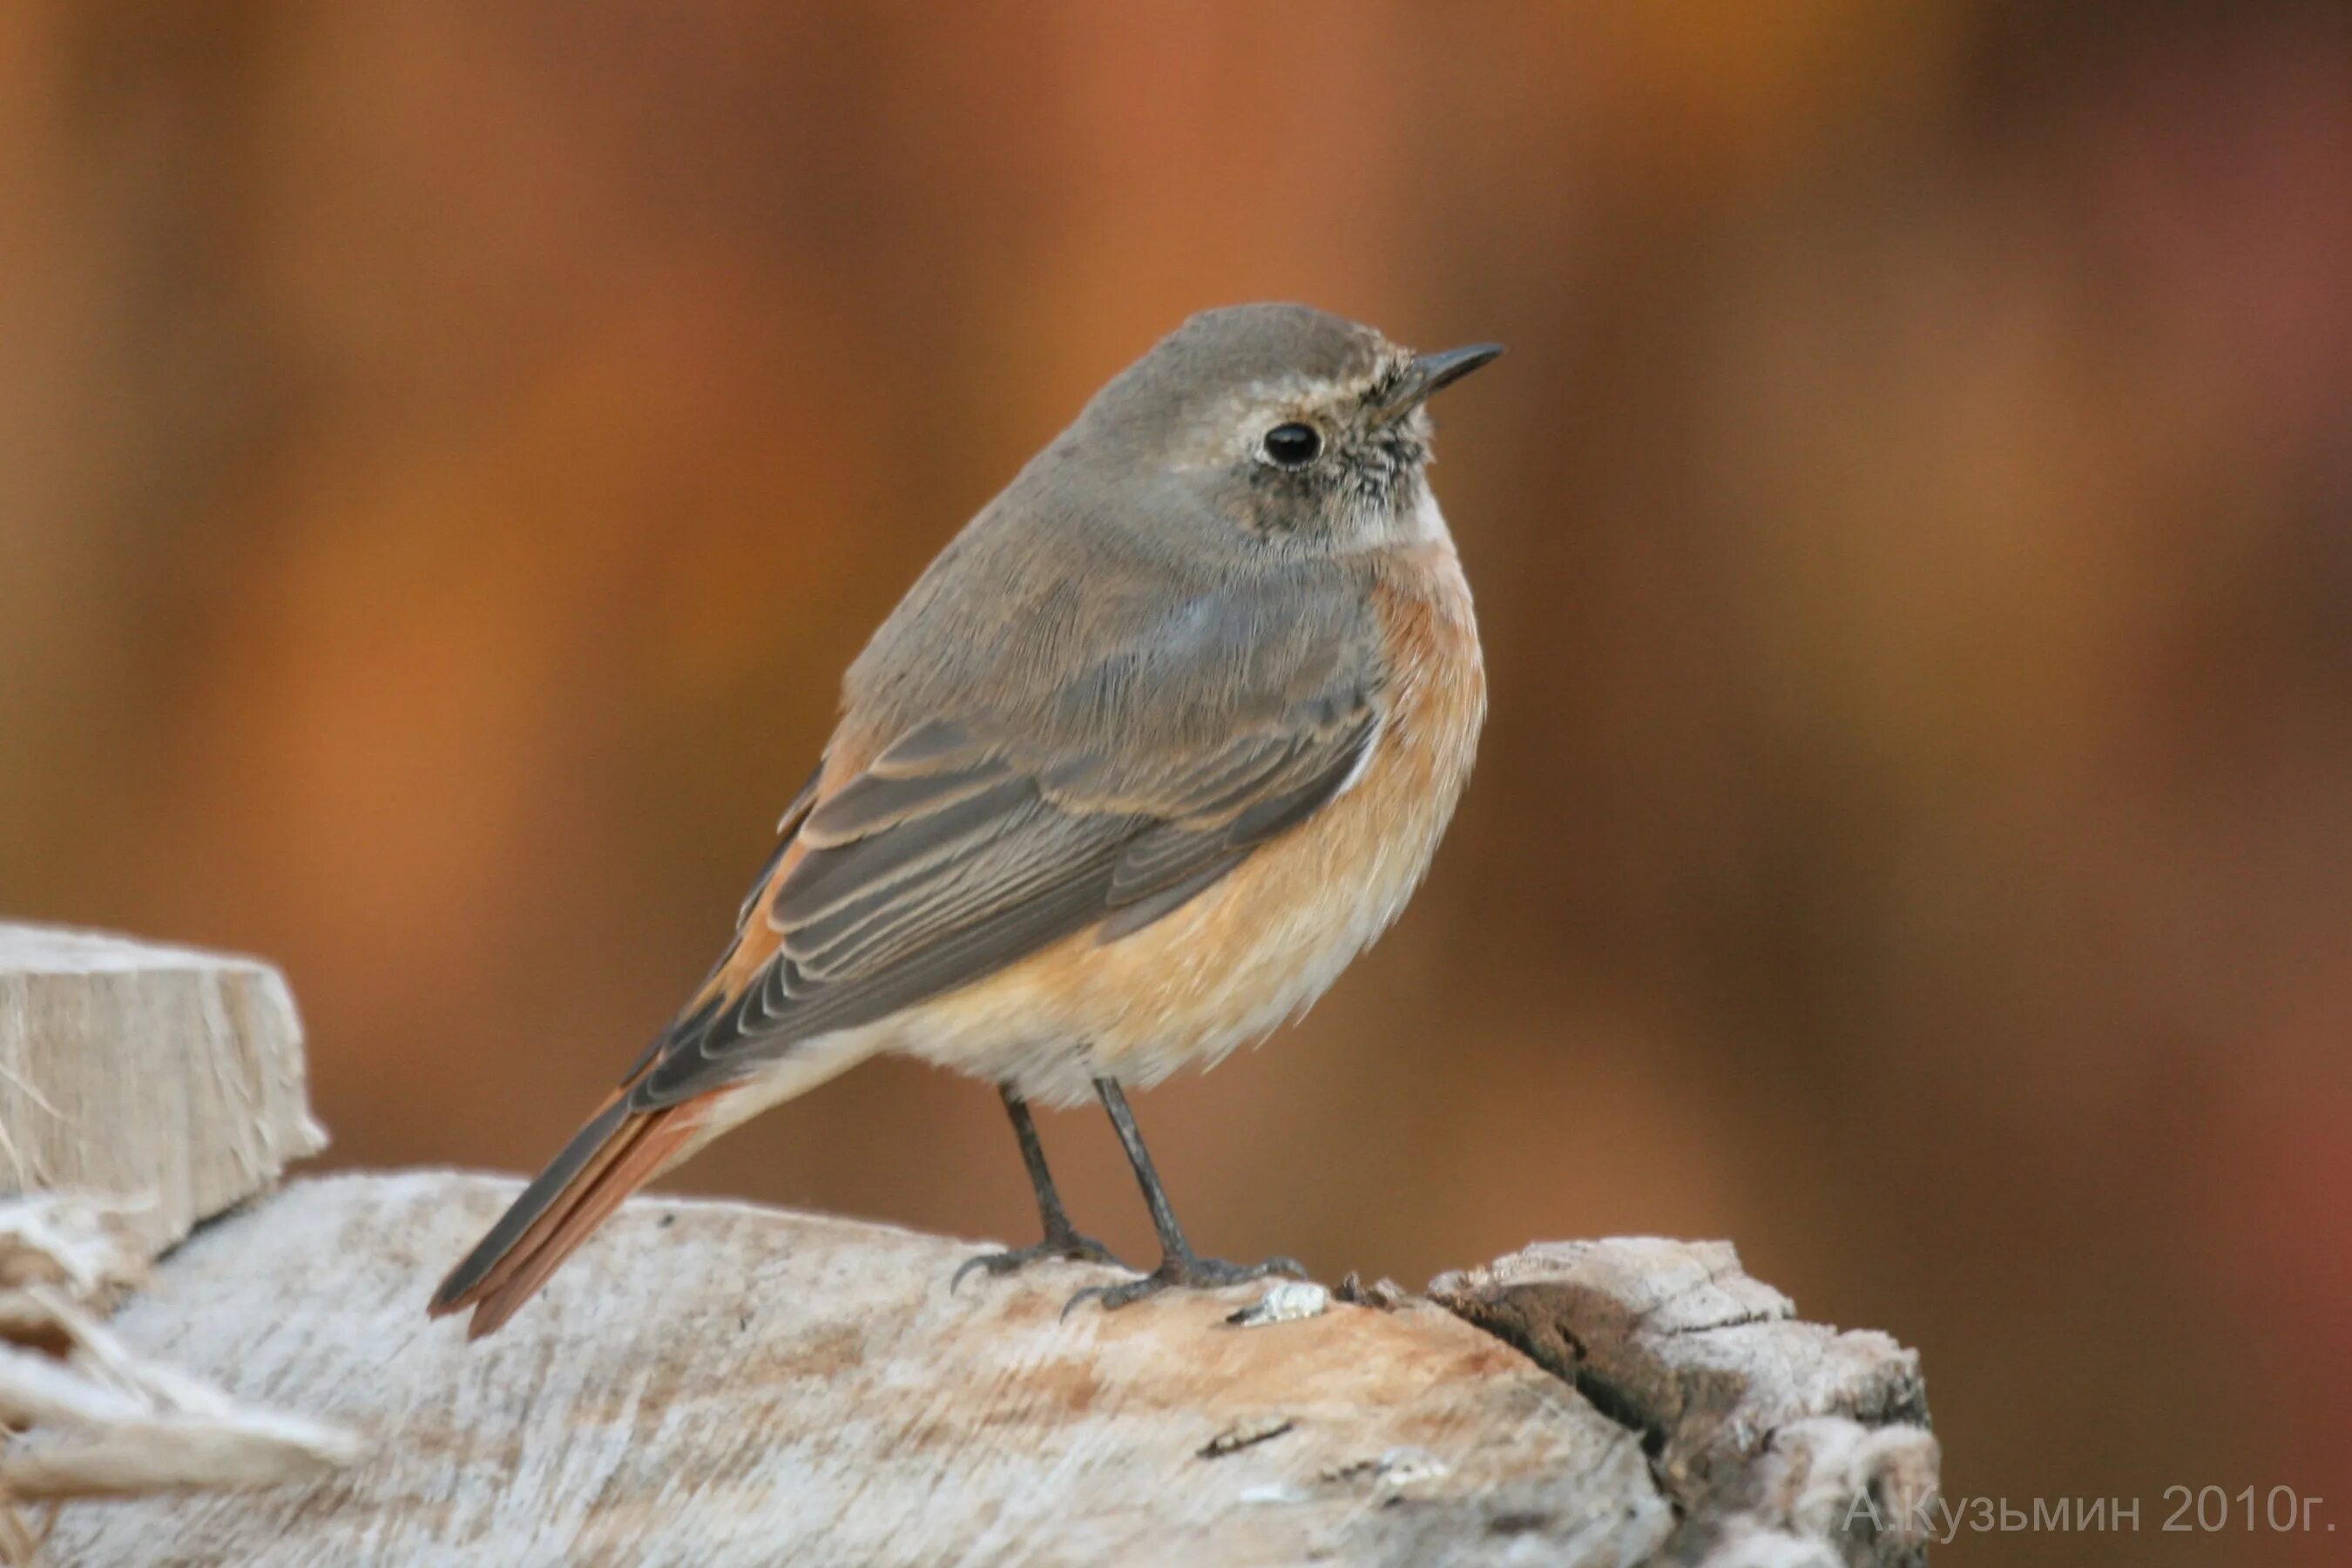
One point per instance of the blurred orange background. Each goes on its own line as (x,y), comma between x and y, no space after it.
(448,453)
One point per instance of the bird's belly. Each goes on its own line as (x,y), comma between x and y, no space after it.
(1259,946)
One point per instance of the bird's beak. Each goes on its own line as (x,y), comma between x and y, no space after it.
(1431,374)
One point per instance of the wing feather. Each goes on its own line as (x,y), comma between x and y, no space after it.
(977,836)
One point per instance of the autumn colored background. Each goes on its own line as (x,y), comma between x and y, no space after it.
(448,452)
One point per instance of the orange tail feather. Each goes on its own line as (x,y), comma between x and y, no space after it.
(618,1152)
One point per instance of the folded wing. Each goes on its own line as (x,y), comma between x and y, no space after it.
(1122,787)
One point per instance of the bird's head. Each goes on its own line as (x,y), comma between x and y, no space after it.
(1304,429)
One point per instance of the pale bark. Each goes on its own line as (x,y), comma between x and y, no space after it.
(164,1076)
(723,1384)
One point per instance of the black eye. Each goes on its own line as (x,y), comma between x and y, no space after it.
(1293,446)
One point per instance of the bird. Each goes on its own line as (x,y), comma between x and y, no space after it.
(1162,740)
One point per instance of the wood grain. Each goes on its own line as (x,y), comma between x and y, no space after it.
(165,1076)
(723,1384)
(1777,1439)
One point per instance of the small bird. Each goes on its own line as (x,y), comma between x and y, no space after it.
(1161,741)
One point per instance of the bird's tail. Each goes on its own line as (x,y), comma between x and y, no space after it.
(619,1151)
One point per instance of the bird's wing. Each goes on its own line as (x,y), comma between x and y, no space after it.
(1101,789)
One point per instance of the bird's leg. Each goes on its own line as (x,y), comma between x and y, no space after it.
(1062,1239)
(1178,1265)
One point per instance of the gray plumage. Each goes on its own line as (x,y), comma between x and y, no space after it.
(1114,684)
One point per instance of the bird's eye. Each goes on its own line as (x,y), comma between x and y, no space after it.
(1293,446)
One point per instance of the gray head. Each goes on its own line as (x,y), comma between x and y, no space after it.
(1298,427)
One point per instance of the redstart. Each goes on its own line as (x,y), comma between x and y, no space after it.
(1163,740)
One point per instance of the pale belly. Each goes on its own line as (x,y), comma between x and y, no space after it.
(1260,946)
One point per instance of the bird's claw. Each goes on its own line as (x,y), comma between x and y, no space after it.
(1067,1247)
(1186,1273)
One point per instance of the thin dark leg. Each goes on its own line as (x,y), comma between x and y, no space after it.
(1178,1265)
(1032,1154)
(1147,1175)
(1061,1238)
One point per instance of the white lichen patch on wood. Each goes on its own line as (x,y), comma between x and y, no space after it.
(1286,1302)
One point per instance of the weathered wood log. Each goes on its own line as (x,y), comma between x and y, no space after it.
(103,1420)
(1766,1432)
(717,1383)
(142,1089)
(714,1384)
(164,1076)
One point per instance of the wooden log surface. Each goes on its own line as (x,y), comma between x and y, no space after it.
(717,1384)
(166,1076)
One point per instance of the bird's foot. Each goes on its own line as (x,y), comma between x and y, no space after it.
(1064,1245)
(1185,1271)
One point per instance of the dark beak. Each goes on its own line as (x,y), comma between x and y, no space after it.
(1431,374)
